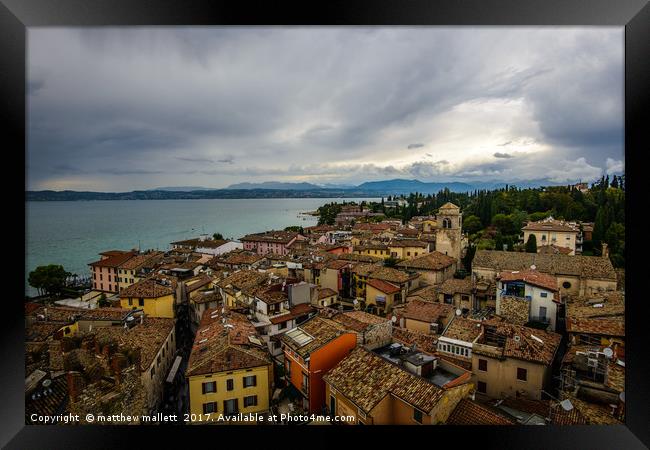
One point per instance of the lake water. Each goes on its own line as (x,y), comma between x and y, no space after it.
(73,233)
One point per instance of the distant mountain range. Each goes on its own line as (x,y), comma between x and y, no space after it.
(276,189)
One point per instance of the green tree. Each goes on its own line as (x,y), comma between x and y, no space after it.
(531,244)
(102,302)
(217,236)
(295,228)
(472,224)
(48,280)
(390,261)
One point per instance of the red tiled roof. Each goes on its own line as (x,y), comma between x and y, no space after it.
(469,412)
(223,346)
(383,286)
(114,260)
(533,277)
(429,261)
(427,311)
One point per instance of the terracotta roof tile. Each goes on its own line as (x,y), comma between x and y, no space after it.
(149,288)
(392,275)
(453,286)
(321,330)
(429,312)
(366,378)
(426,343)
(114,260)
(383,286)
(223,346)
(557,264)
(429,261)
(533,277)
(469,412)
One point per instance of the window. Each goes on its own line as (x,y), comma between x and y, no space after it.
(101,277)
(543,294)
(250,401)
(332,405)
(482,365)
(230,384)
(481,387)
(141,302)
(566,285)
(230,406)
(209,407)
(250,381)
(417,415)
(153,372)
(109,279)
(522,374)
(130,302)
(282,326)
(210,386)
(305,382)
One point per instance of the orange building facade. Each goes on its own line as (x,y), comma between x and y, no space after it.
(305,365)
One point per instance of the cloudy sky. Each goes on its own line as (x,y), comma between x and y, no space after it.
(118,109)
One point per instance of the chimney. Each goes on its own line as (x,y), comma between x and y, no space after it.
(605,250)
(75,385)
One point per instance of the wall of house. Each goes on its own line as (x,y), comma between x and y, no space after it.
(323,360)
(448,403)
(125,278)
(105,279)
(417,325)
(154,307)
(378,335)
(153,378)
(501,377)
(432,277)
(403,413)
(329,278)
(262,389)
(559,238)
(372,293)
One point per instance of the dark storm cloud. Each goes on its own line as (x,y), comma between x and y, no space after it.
(329,104)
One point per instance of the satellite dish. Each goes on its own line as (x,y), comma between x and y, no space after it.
(46,383)
(621,396)
(533,267)
(566,405)
(608,352)
(394,319)
(355,301)
(458,312)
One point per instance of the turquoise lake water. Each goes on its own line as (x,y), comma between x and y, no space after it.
(73,233)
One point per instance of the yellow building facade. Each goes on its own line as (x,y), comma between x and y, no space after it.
(248,399)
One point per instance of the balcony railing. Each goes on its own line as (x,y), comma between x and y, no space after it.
(540,319)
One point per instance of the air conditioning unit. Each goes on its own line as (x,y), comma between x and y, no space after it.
(592,362)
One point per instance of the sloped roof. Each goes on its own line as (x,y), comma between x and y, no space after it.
(366,378)
(429,261)
(383,286)
(321,330)
(556,264)
(453,286)
(427,311)
(532,277)
(469,412)
(220,346)
(148,288)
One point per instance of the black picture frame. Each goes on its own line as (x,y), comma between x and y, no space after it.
(634,15)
